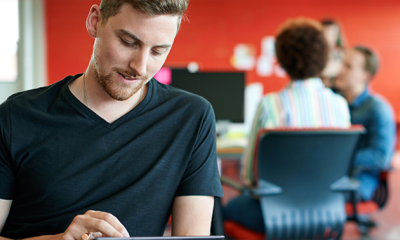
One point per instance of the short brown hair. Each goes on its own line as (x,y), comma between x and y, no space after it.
(371,61)
(301,48)
(110,8)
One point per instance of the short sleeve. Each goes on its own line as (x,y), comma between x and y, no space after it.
(7,173)
(201,175)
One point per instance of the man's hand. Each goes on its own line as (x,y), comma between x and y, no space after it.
(101,223)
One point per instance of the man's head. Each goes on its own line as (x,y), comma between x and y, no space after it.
(301,48)
(151,7)
(132,41)
(359,66)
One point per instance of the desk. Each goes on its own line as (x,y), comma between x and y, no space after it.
(229,166)
(230,153)
(231,148)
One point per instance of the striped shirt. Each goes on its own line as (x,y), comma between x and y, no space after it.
(303,103)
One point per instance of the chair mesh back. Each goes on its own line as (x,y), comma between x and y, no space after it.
(304,164)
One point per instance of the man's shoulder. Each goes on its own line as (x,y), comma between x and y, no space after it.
(37,95)
(379,103)
(32,102)
(28,95)
(375,108)
(167,93)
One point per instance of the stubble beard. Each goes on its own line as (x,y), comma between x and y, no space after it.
(116,89)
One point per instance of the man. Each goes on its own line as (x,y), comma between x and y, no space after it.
(110,152)
(302,51)
(370,110)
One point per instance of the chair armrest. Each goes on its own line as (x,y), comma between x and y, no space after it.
(266,188)
(345,184)
(233,184)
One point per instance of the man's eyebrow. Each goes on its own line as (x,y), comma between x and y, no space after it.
(140,41)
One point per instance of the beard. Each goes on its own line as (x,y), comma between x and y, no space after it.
(114,88)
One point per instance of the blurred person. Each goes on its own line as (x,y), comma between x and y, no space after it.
(370,110)
(302,51)
(333,35)
(110,152)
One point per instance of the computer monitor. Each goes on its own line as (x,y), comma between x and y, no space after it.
(224,90)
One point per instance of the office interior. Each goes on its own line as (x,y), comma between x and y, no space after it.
(222,36)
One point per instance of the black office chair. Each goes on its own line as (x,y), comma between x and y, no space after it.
(301,175)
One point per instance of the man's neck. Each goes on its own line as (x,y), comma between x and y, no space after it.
(100,102)
(353,94)
(111,109)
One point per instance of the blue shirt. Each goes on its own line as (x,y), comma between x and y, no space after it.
(377,145)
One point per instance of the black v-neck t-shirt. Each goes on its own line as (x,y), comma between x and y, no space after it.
(59,159)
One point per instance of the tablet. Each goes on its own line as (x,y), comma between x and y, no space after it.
(220,237)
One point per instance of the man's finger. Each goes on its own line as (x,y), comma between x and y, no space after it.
(84,224)
(105,220)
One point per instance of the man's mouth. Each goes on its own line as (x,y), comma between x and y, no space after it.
(127,77)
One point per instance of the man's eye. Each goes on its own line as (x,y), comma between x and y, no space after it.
(127,43)
(157,53)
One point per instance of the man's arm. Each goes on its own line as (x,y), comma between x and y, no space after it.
(380,143)
(5,206)
(191,215)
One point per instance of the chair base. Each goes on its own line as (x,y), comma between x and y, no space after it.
(363,208)
(363,220)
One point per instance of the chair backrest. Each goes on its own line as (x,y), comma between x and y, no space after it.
(304,163)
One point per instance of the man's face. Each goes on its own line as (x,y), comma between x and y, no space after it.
(130,48)
(352,75)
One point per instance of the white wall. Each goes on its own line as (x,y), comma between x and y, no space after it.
(31,50)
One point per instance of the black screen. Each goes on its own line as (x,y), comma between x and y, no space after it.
(224,90)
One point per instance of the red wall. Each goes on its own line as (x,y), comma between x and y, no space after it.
(216,26)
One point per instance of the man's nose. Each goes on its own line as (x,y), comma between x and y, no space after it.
(139,62)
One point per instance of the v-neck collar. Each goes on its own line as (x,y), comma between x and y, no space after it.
(83,109)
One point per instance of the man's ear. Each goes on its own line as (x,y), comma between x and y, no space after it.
(93,20)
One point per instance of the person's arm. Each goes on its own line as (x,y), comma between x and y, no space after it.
(193,203)
(5,206)
(102,223)
(380,144)
(191,215)
(247,159)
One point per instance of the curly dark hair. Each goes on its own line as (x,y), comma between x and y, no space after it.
(301,48)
